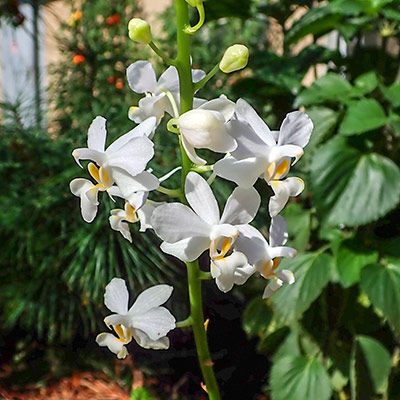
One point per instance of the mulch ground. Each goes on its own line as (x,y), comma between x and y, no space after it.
(79,386)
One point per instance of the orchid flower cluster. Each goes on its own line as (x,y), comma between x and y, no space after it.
(249,150)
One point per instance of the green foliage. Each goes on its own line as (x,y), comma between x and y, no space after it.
(296,377)
(141,393)
(371,364)
(381,283)
(312,272)
(339,173)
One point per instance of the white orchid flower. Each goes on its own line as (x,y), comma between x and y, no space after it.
(266,257)
(260,151)
(88,192)
(145,320)
(205,128)
(125,159)
(231,270)
(142,79)
(137,208)
(188,232)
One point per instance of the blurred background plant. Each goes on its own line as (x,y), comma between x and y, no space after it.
(335,333)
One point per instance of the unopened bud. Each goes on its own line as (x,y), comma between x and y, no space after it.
(234,58)
(139,31)
(194,3)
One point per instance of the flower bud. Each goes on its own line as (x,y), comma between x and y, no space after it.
(194,3)
(139,31)
(234,58)
(201,127)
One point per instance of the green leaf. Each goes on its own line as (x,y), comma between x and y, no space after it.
(330,88)
(392,93)
(324,120)
(381,283)
(297,377)
(365,83)
(256,317)
(350,259)
(312,273)
(363,116)
(315,21)
(352,188)
(299,221)
(371,364)
(141,393)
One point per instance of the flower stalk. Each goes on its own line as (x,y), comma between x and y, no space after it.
(183,65)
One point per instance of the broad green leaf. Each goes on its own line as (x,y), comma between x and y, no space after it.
(329,88)
(299,221)
(371,364)
(363,116)
(365,83)
(297,377)
(324,120)
(352,188)
(350,259)
(312,273)
(392,93)
(256,317)
(381,283)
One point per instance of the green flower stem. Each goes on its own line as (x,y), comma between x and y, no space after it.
(202,17)
(202,168)
(185,323)
(170,192)
(198,85)
(161,54)
(184,68)
(199,330)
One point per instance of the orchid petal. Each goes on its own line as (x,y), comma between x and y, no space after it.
(137,199)
(144,341)
(282,251)
(289,187)
(89,154)
(188,249)
(241,207)
(144,129)
(133,156)
(223,270)
(278,234)
(296,129)
(88,193)
(169,80)
(243,172)
(249,143)
(287,150)
(151,298)
(191,153)
(246,113)
(141,77)
(271,288)
(145,212)
(286,276)
(201,198)
(129,184)
(223,105)
(97,134)
(117,224)
(251,243)
(174,221)
(155,323)
(197,75)
(116,296)
(114,344)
